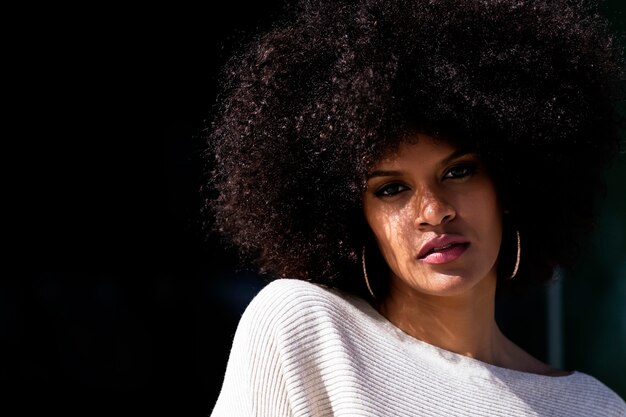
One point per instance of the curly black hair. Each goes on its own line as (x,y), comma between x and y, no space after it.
(307,107)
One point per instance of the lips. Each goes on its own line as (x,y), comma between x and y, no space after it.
(442,244)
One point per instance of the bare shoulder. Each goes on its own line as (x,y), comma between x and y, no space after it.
(519,359)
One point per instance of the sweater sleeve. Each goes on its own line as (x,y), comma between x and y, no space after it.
(272,362)
(254,383)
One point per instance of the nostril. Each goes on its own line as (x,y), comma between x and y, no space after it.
(436,212)
(445,219)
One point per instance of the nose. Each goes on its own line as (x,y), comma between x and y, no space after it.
(433,209)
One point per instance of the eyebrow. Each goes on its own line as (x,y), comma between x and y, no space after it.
(454,155)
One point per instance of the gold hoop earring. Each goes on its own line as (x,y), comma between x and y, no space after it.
(517,259)
(367,281)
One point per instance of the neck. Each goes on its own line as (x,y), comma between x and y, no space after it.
(464,324)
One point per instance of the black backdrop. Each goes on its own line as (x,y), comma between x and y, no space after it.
(115,304)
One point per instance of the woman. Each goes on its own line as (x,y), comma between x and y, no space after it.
(392,167)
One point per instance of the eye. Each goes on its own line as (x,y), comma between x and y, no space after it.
(389,190)
(460,171)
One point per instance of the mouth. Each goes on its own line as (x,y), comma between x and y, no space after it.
(444,254)
(443,248)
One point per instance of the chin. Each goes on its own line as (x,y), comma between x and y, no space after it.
(447,285)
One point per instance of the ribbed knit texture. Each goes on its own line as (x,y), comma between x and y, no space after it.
(302,350)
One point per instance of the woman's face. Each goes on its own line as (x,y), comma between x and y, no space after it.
(436,217)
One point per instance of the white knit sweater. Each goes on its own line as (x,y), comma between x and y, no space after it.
(302,350)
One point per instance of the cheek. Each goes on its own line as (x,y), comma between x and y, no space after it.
(381,226)
(484,213)
(390,229)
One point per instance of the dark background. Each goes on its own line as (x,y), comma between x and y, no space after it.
(113,301)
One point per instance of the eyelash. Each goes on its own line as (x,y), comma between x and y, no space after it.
(467,167)
(391,189)
(385,190)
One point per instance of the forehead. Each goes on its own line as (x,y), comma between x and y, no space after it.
(417,148)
